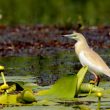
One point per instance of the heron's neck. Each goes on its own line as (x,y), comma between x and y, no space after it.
(81,46)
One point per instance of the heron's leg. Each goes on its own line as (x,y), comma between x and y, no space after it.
(97,79)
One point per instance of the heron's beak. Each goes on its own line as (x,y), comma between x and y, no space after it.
(71,36)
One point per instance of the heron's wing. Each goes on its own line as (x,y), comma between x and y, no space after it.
(94,58)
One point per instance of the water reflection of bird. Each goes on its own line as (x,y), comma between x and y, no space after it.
(87,56)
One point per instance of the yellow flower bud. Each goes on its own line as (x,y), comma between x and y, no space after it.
(99,94)
(2,68)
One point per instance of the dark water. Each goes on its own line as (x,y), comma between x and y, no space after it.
(46,68)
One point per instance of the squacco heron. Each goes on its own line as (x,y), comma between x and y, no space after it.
(89,57)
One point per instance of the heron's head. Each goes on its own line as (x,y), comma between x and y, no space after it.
(76,36)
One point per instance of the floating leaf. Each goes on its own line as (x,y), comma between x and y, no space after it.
(3,99)
(11,89)
(26,96)
(11,99)
(64,87)
(8,99)
(86,87)
(42,92)
(30,85)
(84,107)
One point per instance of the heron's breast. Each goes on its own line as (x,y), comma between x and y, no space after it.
(91,66)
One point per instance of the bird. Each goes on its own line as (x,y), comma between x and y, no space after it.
(87,56)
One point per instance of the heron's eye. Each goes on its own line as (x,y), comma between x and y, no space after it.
(75,35)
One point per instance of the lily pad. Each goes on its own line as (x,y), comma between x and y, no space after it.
(86,87)
(64,87)
(8,99)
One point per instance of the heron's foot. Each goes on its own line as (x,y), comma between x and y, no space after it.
(92,82)
(96,81)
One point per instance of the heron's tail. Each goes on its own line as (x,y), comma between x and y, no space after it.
(108,73)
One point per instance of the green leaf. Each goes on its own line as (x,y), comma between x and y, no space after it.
(81,75)
(26,96)
(8,99)
(86,87)
(64,87)
(11,89)
(3,99)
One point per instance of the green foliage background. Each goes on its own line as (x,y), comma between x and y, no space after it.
(90,12)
